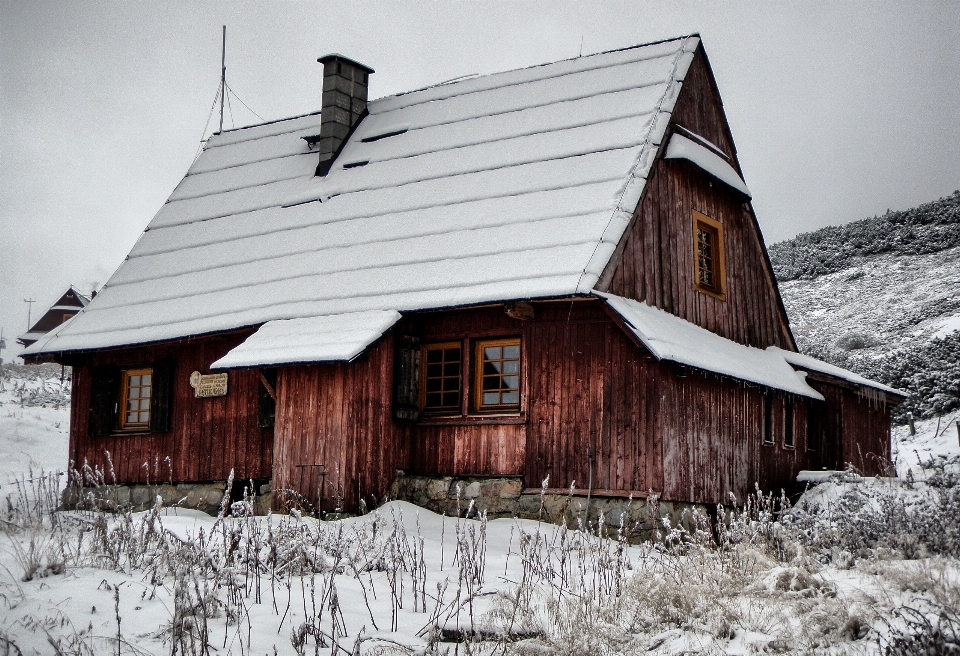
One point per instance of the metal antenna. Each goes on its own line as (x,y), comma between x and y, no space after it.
(29,302)
(223,74)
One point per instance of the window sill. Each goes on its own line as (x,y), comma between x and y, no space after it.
(473,420)
(720,296)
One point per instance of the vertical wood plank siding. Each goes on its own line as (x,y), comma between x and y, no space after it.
(656,261)
(338,416)
(207,437)
(857,430)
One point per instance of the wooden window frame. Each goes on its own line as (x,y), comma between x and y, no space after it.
(716,228)
(476,394)
(789,432)
(435,411)
(138,426)
(767,438)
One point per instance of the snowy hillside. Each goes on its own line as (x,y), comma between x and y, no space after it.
(881,296)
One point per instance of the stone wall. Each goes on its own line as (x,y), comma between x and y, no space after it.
(504,497)
(205,497)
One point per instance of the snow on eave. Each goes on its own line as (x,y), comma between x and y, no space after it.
(329,338)
(632,191)
(668,337)
(680,147)
(813,364)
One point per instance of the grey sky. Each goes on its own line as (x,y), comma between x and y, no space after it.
(839,111)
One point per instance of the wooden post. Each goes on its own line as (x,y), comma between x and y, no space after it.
(913,429)
(957,422)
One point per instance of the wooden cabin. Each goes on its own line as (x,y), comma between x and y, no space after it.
(69,303)
(548,274)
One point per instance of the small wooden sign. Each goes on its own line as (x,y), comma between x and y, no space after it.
(207,385)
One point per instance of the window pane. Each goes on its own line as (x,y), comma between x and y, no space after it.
(134,381)
(498,375)
(440,378)
(132,404)
(145,379)
(145,392)
(135,392)
(131,417)
(144,404)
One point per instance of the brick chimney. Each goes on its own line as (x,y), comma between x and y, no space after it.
(343,104)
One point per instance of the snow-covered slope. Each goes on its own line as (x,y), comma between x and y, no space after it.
(882,297)
(34,422)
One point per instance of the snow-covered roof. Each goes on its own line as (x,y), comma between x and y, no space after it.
(332,338)
(668,337)
(680,147)
(508,186)
(807,362)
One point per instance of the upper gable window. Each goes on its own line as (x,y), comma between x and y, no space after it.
(708,255)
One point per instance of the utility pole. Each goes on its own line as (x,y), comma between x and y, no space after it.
(223,74)
(29,302)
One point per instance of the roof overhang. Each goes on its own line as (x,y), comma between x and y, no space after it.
(668,337)
(680,147)
(330,338)
(856,381)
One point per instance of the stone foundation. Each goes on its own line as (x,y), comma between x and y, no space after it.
(504,497)
(205,497)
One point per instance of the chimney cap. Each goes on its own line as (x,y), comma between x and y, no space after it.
(334,56)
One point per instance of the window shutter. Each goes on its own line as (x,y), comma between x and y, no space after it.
(162,393)
(266,406)
(406,378)
(104,395)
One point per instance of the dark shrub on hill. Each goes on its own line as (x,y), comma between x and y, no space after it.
(929,228)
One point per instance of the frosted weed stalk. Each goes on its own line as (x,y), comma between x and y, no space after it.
(564,589)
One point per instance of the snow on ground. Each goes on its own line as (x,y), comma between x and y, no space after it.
(936,441)
(34,421)
(875,305)
(403,580)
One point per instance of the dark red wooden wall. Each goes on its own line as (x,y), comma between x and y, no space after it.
(655,259)
(207,437)
(336,418)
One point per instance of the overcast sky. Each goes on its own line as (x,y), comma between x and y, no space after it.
(839,111)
